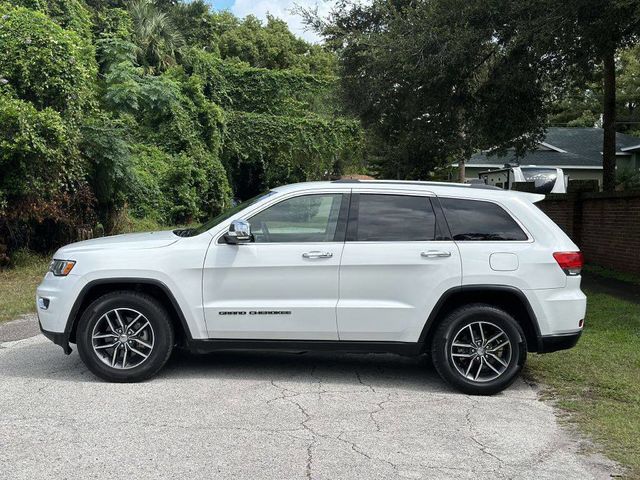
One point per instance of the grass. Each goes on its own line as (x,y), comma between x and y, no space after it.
(18,284)
(615,275)
(598,381)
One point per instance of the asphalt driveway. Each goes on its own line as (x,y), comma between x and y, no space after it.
(273,416)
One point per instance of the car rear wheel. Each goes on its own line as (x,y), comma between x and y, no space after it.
(125,337)
(479,349)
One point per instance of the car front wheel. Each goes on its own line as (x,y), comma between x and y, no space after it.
(125,337)
(479,349)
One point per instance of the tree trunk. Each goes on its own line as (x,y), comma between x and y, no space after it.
(609,123)
(461,170)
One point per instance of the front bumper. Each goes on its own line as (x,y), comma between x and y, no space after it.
(59,338)
(59,294)
(553,343)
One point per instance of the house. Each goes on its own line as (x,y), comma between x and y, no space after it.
(578,151)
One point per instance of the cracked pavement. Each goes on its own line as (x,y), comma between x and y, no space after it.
(250,415)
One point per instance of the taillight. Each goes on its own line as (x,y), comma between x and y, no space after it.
(570,262)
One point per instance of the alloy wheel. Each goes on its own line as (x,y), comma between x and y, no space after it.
(123,338)
(481,351)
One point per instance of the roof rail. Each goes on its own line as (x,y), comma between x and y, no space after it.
(420,182)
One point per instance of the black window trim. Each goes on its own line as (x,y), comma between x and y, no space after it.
(529,239)
(442,228)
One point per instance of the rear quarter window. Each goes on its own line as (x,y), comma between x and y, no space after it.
(477,220)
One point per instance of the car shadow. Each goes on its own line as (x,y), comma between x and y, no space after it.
(41,360)
(370,370)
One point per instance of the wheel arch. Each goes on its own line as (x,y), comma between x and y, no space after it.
(155,288)
(506,297)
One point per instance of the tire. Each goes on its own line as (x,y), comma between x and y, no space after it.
(469,366)
(150,326)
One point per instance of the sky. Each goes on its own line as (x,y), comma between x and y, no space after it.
(277,8)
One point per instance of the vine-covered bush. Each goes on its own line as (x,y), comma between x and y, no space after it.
(41,169)
(237,86)
(177,188)
(43,63)
(162,111)
(69,14)
(37,151)
(274,150)
(274,47)
(147,198)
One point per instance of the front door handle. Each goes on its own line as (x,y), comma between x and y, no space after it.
(317,254)
(435,254)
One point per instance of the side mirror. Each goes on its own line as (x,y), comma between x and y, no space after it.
(239,232)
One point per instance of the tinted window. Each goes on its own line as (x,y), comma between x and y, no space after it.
(544,178)
(477,220)
(395,218)
(309,218)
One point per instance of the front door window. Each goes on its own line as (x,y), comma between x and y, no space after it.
(304,219)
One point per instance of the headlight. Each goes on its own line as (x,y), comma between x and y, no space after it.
(61,268)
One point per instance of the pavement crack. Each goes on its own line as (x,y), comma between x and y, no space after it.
(283,391)
(483,448)
(354,447)
(364,384)
(379,408)
(303,424)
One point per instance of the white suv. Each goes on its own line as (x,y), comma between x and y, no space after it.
(473,275)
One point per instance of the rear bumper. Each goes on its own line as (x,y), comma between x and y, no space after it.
(553,343)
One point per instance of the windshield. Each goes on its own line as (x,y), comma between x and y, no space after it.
(543,178)
(209,224)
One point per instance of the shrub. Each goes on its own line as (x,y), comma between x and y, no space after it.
(146,198)
(38,154)
(69,14)
(104,144)
(628,179)
(272,150)
(43,63)
(178,188)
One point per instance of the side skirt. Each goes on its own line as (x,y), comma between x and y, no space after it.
(226,344)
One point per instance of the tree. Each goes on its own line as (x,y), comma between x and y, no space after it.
(581,104)
(155,35)
(273,46)
(436,80)
(586,33)
(628,89)
(198,24)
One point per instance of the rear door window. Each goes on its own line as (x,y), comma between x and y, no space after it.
(394,218)
(476,220)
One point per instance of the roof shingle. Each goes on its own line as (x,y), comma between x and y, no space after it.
(583,147)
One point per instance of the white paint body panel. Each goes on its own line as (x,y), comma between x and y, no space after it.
(177,265)
(272,277)
(382,291)
(388,288)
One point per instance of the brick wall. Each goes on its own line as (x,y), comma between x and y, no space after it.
(606,226)
(562,209)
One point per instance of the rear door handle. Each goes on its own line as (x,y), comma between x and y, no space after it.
(435,254)
(317,254)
